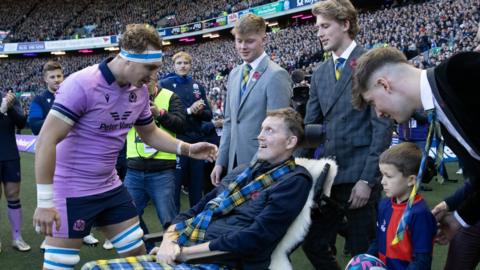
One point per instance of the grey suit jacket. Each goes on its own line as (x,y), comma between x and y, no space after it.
(269,88)
(354,138)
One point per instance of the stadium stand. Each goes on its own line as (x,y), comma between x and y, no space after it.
(427,32)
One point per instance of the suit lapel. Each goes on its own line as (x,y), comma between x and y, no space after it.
(235,90)
(456,125)
(257,74)
(344,81)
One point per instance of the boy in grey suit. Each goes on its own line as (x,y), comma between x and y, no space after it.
(354,138)
(253,88)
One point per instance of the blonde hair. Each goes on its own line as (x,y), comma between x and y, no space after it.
(248,24)
(339,10)
(185,55)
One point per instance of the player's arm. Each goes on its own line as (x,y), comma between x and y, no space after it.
(162,141)
(55,129)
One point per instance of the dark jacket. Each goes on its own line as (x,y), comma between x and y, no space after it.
(39,109)
(254,228)
(454,85)
(8,144)
(189,91)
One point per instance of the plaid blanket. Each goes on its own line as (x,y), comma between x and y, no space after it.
(145,262)
(192,231)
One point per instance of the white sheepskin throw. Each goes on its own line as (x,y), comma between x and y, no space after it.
(299,228)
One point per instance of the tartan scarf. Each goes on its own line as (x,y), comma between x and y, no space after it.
(238,191)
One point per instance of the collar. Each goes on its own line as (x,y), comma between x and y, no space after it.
(106,72)
(257,61)
(426,92)
(346,53)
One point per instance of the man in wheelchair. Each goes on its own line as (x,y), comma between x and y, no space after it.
(247,214)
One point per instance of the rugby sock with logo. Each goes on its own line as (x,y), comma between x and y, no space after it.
(15,217)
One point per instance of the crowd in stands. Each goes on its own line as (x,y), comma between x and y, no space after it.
(59,19)
(427,32)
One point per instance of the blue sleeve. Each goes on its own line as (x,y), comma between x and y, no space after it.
(420,261)
(35,117)
(423,229)
(284,204)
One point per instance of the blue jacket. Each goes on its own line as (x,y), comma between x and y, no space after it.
(254,228)
(39,109)
(189,91)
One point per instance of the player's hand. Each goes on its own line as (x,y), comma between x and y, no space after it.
(360,195)
(448,227)
(167,252)
(43,220)
(216,174)
(203,150)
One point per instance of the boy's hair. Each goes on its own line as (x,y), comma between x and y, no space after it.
(406,157)
(293,120)
(51,65)
(339,10)
(138,37)
(248,24)
(368,64)
(185,55)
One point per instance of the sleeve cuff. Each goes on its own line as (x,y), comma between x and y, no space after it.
(460,220)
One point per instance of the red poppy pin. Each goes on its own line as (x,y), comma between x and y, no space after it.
(254,195)
(353,63)
(256,75)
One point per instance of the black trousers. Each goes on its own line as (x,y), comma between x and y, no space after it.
(319,244)
(464,249)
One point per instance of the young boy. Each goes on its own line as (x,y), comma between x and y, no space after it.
(399,166)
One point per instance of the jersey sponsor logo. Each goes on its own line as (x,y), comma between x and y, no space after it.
(117,117)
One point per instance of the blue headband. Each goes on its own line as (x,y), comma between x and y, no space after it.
(144,57)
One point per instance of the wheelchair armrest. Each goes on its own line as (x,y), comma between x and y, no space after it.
(153,237)
(209,257)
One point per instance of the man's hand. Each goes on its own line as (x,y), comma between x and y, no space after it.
(168,252)
(10,97)
(448,227)
(440,210)
(360,195)
(216,174)
(43,219)
(218,123)
(203,150)
(197,106)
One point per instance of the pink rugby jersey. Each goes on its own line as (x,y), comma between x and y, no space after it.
(101,113)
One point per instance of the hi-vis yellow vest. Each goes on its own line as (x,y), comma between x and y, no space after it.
(135,146)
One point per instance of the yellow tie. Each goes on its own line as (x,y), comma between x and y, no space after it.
(338,67)
(245,76)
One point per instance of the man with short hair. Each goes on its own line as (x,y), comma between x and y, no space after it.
(386,80)
(247,214)
(53,76)
(77,185)
(253,88)
(354,138)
